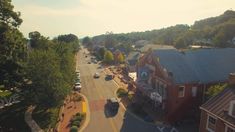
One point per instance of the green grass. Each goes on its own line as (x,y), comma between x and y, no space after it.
(46,117)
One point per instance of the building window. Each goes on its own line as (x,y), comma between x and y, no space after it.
(229,129)
(232,108)
(181,91)
(194,91)
(211,122)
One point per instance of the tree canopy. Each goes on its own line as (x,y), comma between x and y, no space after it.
(108,57)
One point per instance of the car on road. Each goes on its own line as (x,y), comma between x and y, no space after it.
(77,86)
(96,75)
(113,104)
(109,77)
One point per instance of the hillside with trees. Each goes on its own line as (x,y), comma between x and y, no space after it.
(215,31)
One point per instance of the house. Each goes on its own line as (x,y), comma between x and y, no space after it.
(175,81)
(218,113)
(131,61)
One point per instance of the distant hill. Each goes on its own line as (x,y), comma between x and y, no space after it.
(215,31)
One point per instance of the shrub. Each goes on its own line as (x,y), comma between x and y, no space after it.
(74,129)
(130,96)
(121,92)
(77,119)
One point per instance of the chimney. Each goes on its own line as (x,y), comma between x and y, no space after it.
(231,79)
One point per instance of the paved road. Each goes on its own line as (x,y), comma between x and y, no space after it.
(97,91)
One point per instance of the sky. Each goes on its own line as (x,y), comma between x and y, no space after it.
(95,17)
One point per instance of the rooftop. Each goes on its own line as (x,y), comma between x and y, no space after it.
(219,105)
(201,66)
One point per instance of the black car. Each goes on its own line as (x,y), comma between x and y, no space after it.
(113,104)
(109,77)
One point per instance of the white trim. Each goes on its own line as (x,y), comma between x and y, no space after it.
(232,103)
(183,91)
(207,121)
(226,128)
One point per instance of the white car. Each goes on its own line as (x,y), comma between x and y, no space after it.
(97,75)
(77,87)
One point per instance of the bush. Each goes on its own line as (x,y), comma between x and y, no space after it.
(77,119)
(130,96)
(121,92)
(74,129)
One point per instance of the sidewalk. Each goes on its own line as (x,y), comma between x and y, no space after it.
(68,110)
(29,120)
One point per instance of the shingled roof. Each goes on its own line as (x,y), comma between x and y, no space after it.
(202,65)
(219,105)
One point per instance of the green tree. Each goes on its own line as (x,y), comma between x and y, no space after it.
(12,47)
(69,39)
(7,15)
(108,57)
(120,58)
(215,89)
(101,52)
(48,85)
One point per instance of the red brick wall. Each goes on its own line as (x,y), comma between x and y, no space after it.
(220,126)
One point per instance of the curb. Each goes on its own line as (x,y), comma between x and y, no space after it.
(87,120)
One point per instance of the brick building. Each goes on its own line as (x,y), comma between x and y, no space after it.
(173,82)
(218,113)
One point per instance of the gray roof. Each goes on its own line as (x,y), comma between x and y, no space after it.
(202,65)
(133,57)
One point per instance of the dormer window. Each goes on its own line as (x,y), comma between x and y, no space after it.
(231,111)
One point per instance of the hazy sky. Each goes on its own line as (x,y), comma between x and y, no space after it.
(94,17)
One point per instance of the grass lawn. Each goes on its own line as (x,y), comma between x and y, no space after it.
(46,117)
(12,119)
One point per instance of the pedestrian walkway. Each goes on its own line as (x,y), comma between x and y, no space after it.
(29,120)
(71,106)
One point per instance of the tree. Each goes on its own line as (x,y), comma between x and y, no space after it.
(108,57)
(101,52)
(110,41)
(8,16)
(120,58)
(12,47)
(215,89)
(87,42)
(48,86)
(69,39)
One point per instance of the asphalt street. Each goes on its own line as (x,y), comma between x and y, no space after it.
(97,91)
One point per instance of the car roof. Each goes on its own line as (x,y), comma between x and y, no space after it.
(114,100)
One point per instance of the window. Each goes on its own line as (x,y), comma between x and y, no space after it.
(181,91)
(229,129)
(211,121)
(232,108)
(194,91)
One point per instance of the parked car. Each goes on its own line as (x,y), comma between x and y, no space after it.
(113,104)
(77,87)
(96,75)
(109,77)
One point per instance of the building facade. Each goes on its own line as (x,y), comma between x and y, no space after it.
(175,81)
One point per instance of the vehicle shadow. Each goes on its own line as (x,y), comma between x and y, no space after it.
(108,113)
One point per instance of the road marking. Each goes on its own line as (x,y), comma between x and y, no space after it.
(84,107)
(112,125)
